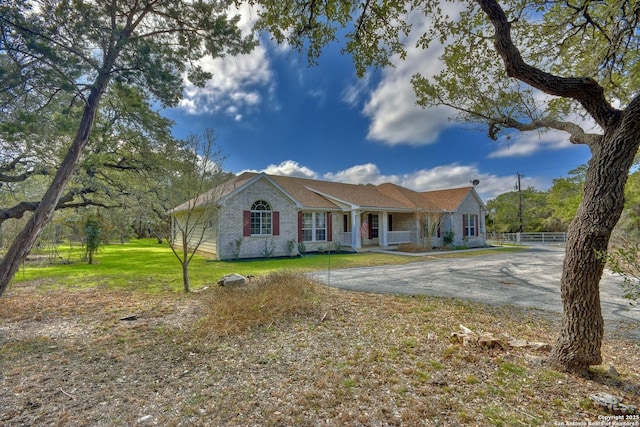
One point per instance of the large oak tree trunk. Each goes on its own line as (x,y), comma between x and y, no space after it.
(580,340)
(44,212)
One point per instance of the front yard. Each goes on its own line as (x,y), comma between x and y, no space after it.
(284,351)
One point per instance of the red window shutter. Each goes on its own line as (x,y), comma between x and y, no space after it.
(300,226)
(246,223)
(464,226)
(276,223)
(477,231)
(329,227)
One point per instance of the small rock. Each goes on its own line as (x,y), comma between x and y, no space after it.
(613,373)
(232,280)
(144,419)
(613,404)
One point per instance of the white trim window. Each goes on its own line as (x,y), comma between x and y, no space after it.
(470,223)
(314,226)
(261,219)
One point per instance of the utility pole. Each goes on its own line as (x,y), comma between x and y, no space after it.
(519,203)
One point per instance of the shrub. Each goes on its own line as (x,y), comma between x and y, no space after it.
(292,246)
(623,260)
(269,248)
(448,237)
(235,247)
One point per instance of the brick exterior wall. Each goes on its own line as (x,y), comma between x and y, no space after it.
(470,207)
(230,223)
(228,229)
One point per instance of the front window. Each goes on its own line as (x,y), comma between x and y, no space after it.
(261,215)
(314,226)
(469,222)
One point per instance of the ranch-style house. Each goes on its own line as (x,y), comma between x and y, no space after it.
(255,215)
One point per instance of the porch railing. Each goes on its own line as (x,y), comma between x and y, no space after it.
(393,238)
(397,237)
(344,239)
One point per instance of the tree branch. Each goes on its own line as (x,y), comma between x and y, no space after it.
(65,202)
(578,135)
(585,90)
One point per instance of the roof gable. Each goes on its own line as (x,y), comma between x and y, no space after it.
(450,199)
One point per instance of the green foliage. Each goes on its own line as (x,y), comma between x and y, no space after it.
(474,80)
(630,220)
(624,260)
(92,236)
(302,248)
(563,199)
(235,247)
(506,207)
(448,237)
(292,246)
(550,210)
(269,248)
(70,53)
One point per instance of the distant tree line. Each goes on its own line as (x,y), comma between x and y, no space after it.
(554,209)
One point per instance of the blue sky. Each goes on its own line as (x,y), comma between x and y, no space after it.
(272,112)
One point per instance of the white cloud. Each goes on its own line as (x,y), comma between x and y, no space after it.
(441,177)
(359,174)
(395,116)
(238,81)
(288,168)
(354,92)
(527,143)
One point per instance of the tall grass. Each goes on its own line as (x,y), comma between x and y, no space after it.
(279,295)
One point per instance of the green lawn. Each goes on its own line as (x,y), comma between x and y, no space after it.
(148,266)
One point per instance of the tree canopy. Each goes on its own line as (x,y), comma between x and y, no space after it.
(514,65)
(52,50)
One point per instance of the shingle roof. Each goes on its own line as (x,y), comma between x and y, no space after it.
(448,199)
(307,190)
(317,194)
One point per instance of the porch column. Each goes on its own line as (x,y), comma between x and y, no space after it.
(418,228)
(356,242)
(385,228)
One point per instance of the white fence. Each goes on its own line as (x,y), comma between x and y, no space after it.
(546,238)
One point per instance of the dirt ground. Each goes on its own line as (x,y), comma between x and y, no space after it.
(101,358)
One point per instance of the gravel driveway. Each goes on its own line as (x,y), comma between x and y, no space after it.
(529,278)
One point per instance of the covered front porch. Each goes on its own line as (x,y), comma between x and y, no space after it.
(377,229)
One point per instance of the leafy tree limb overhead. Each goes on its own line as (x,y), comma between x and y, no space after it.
(515,65)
